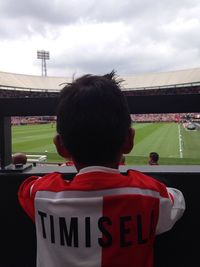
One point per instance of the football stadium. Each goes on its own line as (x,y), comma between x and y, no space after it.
(33,135)
(165,114)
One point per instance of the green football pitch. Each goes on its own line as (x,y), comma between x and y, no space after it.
(172,141)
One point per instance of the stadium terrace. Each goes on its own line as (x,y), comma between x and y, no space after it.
(188,79)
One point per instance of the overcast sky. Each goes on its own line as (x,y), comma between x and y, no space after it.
(96,36)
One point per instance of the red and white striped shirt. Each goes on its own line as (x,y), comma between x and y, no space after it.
(99,219)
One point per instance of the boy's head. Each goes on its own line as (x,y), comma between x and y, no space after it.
(93,121)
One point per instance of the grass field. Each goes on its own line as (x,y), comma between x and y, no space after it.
(172,141)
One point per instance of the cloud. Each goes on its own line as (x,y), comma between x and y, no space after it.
(97,36)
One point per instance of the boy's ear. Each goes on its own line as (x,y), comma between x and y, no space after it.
(129,141)
(62,151)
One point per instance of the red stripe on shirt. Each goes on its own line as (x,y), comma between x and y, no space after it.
(130,225)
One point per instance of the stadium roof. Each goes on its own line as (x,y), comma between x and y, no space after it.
(188,77)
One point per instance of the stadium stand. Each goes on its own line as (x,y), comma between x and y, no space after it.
(165,83)
(176,248)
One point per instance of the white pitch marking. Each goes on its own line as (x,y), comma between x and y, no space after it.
(180,142)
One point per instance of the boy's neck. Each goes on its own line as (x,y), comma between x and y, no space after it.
(80,166)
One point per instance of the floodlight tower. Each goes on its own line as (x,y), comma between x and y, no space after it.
(43,55)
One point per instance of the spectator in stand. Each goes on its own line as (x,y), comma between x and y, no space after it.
(101,217)
(153,158)
(19,158)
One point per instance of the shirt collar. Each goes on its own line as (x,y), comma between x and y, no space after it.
(98,169)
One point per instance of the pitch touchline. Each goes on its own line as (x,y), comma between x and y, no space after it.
(180,142)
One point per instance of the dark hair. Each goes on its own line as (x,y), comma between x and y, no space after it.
(93,118)
(154,156)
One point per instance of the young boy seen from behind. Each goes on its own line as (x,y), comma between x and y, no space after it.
(100,218)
